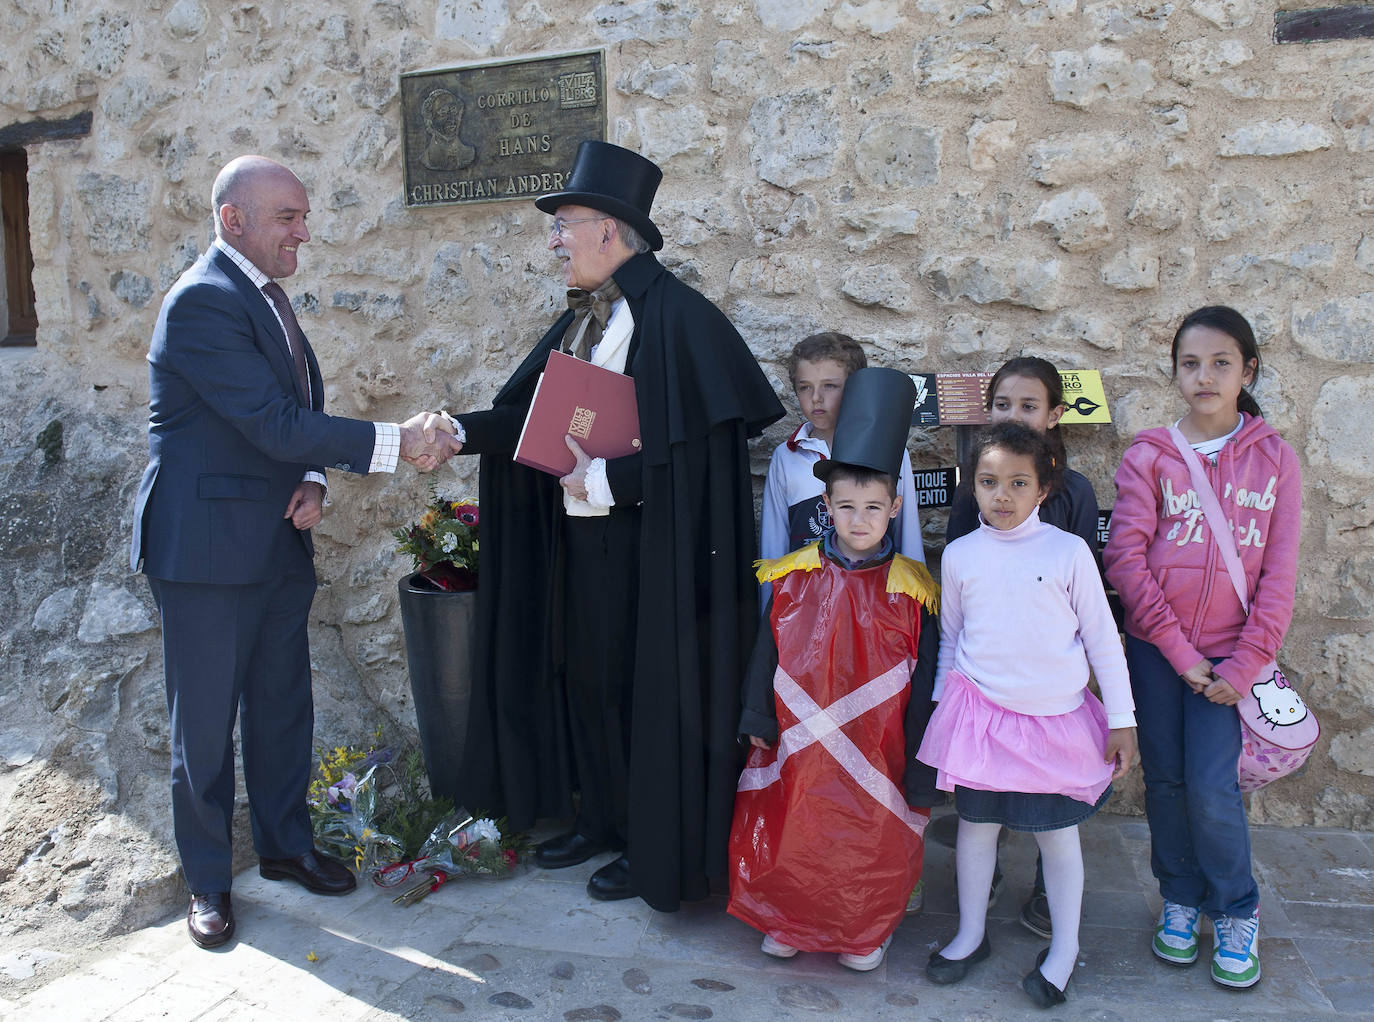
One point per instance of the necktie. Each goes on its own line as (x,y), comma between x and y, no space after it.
(295,338)
(591,313)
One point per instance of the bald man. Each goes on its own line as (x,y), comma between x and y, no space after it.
(238,446)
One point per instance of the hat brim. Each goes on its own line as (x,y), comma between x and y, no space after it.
(605,204)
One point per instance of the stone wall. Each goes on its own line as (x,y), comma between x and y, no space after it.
(954,182)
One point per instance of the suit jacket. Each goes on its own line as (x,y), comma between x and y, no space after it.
(230,435)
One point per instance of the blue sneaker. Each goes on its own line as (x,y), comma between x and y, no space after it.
(1176,935)
(1235,962)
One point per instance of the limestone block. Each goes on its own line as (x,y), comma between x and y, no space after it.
(1354,115)
(995,278)
(1035,13)
(1338,807)
(1115,20)
(1256,274)
(376,607)
(128,100)
(1069,330)
(105,39)
(869,79)
(532,15)
(796,137)
(380,650)
(320,104)
(174,150)
(1159,207)
(480,24)
(893,152)
(1339,330)
(1066,159)
(789,15)
(647,21)
(1076,219)
(1364,254)
(446,287)
(186,20)
(374,307)
(1080,79)
(1225,14)
(736,69)
(56,611)
(1170,120)
(1343,681)
(1176,268)
(1354,752)
(876,285)
(1197,59)
(876,17)
(133,288)
(1283,137)
(116,211)
(880,224)
(1340,439)
(988,141)
(112,611)
(969,335)
(693,223)
(1134,268)
(1362,199)
(948,65)
(774,275)
(1268,89)
(1232,210)
(665,132)
(669,81)
(373,145)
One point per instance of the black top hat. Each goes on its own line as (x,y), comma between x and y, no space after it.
(615,181)
(874,420)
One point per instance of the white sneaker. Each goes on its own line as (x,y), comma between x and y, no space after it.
(917,901)
(776,948)
(1176,935)
(868,962)
(1235,962)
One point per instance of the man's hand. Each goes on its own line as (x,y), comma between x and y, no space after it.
(1120,750)
(575,482)
(1199,676)
(758,742)
(427,441)
(306,506)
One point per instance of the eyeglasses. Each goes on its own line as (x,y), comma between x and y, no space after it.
(560,225)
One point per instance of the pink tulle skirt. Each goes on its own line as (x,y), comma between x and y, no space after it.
(974,742)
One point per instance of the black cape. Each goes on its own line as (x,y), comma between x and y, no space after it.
(701,396)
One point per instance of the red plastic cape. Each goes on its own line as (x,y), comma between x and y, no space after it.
(824,850)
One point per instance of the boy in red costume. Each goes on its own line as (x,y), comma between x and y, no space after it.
(827,838)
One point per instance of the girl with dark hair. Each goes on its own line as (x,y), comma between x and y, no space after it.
(1191,646)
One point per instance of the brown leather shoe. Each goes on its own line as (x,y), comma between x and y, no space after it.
(210,919)
(315,871)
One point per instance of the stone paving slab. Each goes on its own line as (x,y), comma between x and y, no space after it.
(535,947)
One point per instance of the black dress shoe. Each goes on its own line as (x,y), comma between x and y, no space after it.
(612,881)
(316,872)
(568,849)
(944,970)
(210,919)
(1041,991)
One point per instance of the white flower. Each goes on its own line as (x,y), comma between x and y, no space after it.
(483,830)
(449,543)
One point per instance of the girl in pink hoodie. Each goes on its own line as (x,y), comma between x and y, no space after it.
(1191,649)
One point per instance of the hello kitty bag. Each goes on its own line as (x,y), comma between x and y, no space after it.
(1277,729)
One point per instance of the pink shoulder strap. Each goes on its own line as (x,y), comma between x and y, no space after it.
(1216,517)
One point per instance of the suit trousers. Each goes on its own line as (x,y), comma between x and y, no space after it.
(601,600)
(238,651)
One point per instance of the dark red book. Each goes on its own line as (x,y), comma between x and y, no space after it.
(595,406)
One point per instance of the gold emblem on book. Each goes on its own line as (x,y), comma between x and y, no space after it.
(581,425)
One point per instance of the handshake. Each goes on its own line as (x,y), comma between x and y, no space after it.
(427,441)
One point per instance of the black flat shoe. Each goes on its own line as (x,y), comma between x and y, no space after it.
(316,872)
(1041,991)
(570,849)
(612,881)
(945,971)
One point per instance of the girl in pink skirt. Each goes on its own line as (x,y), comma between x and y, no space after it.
(1017,736)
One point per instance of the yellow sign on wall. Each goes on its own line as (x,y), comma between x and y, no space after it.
(1084,397)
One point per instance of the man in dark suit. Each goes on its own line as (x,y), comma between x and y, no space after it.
(235,480)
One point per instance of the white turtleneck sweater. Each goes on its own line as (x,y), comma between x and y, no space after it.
(1023,615)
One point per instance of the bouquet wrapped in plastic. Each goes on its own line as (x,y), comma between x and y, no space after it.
(345,823)
(459,844)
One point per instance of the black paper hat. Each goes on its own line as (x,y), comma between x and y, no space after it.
(874,420)
(615,181)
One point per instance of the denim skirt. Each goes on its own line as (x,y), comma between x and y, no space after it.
(1019,810)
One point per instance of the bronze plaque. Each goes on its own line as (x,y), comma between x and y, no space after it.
(508,130)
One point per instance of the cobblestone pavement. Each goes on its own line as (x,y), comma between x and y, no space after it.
(535,947)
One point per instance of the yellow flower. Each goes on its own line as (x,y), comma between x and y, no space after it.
(428,519)
(310,956)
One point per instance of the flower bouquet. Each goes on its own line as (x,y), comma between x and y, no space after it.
(460,844)
(443,543)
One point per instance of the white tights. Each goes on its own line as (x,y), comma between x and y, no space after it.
(976,858)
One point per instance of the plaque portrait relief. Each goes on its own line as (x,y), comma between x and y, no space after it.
(504,130)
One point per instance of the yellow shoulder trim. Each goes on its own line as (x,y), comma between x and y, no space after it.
(913,578)
(808,558)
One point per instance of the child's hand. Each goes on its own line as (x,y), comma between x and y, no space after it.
(1199,676)
(758,742)
(1120,750)
(1221,692)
